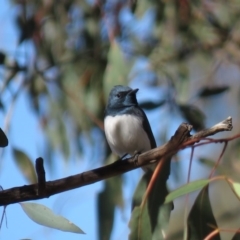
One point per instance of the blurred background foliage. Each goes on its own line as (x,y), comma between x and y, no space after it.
(183,55)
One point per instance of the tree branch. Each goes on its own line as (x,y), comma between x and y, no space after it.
(46,189)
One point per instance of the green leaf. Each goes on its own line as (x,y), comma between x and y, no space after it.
(14,68)
(64,144)
(142,6)
(236,235)
(44,216)
(149,105)
(140,190)
(222,170)
(2,107)
(236,188)
(3,139)
(158,212)
(211,91)
(105,209)
(108,199)
(188,188)
(117,69)
(193,115)
(201,221)
(140,224)
(57,132)
(160,230)
(25,164)
(2,58)
(207,162)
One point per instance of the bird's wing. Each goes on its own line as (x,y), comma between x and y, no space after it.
(147,128)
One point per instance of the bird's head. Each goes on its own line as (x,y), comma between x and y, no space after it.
(122,96)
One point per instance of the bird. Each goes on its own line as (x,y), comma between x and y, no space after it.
(128,131)
(126,125)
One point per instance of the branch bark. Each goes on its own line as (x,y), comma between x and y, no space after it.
(179,140)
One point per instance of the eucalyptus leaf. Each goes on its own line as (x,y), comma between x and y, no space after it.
(236,235)
(107,201)
(236,188)
(149,105)
(211,163)
(25,164)
(2,57)
(193,115)
(3,139)
(44,216)
(117,69)
(139,224)
(188,188)
(158,212)
(201,221)
(211,91)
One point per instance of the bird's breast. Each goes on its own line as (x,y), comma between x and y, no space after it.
(125,134)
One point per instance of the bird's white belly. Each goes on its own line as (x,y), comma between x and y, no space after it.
(125,134)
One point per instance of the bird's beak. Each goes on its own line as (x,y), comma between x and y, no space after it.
(133,91)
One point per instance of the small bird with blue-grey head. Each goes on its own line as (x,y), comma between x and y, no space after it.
(128,132)
(126,125)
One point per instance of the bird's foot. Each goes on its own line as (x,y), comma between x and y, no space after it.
(135,159)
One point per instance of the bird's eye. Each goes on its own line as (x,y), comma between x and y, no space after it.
(119,95)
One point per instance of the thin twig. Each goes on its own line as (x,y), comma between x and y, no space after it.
(153,180)
(40,175)
(187,196)
(212,234)
(219,159)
